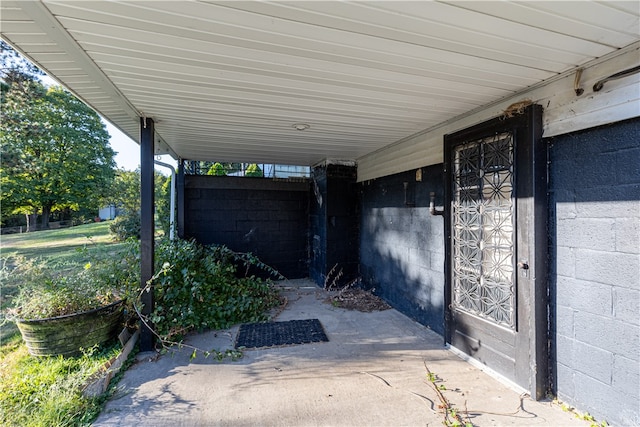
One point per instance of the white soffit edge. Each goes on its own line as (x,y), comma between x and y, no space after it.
(227,81)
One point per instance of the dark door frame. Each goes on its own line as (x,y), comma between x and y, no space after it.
(531,207)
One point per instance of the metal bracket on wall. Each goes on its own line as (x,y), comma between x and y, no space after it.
(433,210)
(406,202)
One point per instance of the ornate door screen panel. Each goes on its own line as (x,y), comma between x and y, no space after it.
(495,223)
(483,214)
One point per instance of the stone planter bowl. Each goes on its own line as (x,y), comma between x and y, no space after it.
(67,335)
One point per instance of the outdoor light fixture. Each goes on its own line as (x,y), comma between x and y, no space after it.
(301,126)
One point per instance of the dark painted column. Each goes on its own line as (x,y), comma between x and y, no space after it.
(180,198)
(334,225)
(146,225)
(318,225)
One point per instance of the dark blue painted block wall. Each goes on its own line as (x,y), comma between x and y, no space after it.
(402,244)
(594,225)
(268,218)
(334,223)
(318,226)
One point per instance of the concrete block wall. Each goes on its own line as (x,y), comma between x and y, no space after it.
(595,270)
(318,226)
(402,244)
(268,218)
(333,225)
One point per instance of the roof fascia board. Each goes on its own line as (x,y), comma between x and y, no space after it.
(515,96)
(425,147)
(43,17)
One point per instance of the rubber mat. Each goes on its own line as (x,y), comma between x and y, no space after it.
(275,334)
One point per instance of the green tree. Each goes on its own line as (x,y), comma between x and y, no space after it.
(55,149)
(254,170)
(163,201)
(125,194)
(217,169)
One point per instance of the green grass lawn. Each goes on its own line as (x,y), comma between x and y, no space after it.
(56,247)
(59,249)
(46,391)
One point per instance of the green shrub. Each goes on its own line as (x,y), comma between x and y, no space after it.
(65,295)
(253,170)
(217,169)
(125,227)
(200,287)
(44,292)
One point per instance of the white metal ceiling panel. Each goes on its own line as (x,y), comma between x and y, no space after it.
(227,80)
(606,26)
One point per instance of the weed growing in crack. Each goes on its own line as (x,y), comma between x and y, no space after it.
(452,417)
(581,416)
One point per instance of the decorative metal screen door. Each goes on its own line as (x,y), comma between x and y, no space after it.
(496,275)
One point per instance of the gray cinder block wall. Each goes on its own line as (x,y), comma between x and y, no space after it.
(402,244)
(595,270)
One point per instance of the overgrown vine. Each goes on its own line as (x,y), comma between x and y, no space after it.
(198,287)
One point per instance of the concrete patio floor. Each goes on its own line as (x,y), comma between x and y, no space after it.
(371,373)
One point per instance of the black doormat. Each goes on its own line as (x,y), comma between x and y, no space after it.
(274,334)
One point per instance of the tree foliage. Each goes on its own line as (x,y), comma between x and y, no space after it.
(217,169)
(125,191)
(55,149)
(254,170)
(125,195)
(163,201)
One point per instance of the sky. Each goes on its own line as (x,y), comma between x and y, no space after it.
(128,151)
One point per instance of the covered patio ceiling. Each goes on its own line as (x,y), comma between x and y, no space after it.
(229,81)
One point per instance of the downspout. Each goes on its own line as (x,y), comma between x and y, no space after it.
(173,197)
